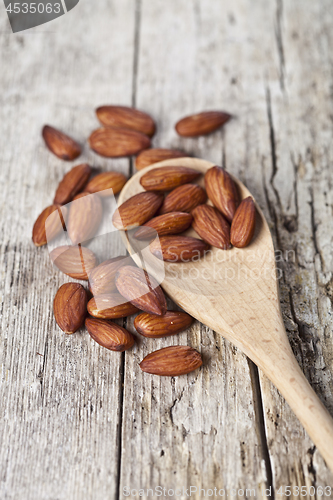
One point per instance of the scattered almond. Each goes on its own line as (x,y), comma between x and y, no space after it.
(137,210)
(110,306)
(109,335)
(85,216)
(154,155)
(102,277)
(222,191)
(46,228)
(171,223)
(106,180)
(178,248)
(70,307)
(183,199)
(125,117)
(60,144)
(243,224)
(77,262)
(167,178)
(211,226)
(114,143)
(155,327)
(172,361)
(201,123)
(141,290)
(72,183)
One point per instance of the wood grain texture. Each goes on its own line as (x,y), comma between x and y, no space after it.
(269,64)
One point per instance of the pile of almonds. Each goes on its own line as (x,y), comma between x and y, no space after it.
(169,205)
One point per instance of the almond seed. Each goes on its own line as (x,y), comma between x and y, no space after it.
(102,277)
(77,262)
(72,183)
(137,210)
(110,306)
(183,199)
(167,178)
(155,327)
(109,335)
(171,223)
(141,290)
(60,144)
(243,224)
(172,361)
(125,117)
(211,226)
(70,307)
(85,216)
(46,228)
(201,123)
(178,248)
(106,180)
(222,191)
(154,155)
(114,143)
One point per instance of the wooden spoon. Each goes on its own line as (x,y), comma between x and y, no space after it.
(235,292)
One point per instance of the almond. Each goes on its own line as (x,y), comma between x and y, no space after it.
(70,307)
(77,262)
(85,216)
(172,223)
(141,290)
(178,248)
(172,361)
(184,199)
(110,306)
(167,178)
(60,144)
(125,117)
(154,155)
(102,277)
(137,210)
(46,228)
(106,180)
(211,226)
(155,327)
(201,123)
(222,191)
(72,183)
(109,335)
(114,143)
(243,224)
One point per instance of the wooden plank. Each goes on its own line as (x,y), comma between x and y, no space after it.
(198,430)
(59,395)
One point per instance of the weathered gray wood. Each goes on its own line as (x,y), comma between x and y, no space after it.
(269,63)
(59,394)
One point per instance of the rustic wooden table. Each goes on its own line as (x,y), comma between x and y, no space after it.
(80,422)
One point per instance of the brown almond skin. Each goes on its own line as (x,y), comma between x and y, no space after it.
(110,306)
(70,307)
(54,225)
(141,290)
(172,361)
(243,224)
(163,225)
(201,123)
(60,144)
(77,262)
(106,180)
(109,335)
(115,143)
(72,183)
(126,117)
(137,210)
(84,218)
(222,191)
(211,226)
(178,248)
(156,327)
(102,277)
(167,178)
(183,199)
(154,155)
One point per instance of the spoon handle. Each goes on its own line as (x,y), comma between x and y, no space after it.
(289,379)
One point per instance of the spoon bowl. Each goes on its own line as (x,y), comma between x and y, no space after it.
(235,292)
